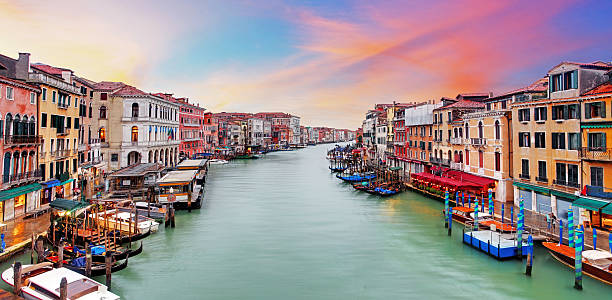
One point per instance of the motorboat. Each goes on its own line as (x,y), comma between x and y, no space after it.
(42,282)
(125,221)
(216,161)
(595,263)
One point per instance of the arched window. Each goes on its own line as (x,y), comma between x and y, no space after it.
(25,128)
(460,156)
(102,112)
(156,109)
(460,132)
(150,109)
(134,110)
(480,130)
(32,126)
(497,130)
(450,158)
(134,133)
(467,131)
(9,125)
(17,128)
(467,156)
(456,132)
(90,110)
(480,158)
(102,134)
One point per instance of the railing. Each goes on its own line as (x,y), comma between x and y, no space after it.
(596,153)
(478,141)
(63,131)
(104,145)
(62,176)
(60,153)
(42,78)
(456,166)
(566,183)
(456,141)
(440,161)
(541,179)
(599,192)
(21,139)
(19,178)
(191,124)
(62,105)
(524,176)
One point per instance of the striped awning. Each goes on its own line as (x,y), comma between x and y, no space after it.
(589,126)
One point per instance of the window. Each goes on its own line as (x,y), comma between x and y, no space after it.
(558,140)
(134,133)
(497,161)
(572,175)
(559,112)
(102,112)
(561,173)
(524,140)
(497,130)
(596,176)
(103,96)
(480,130)
(523,115)
(573,141)
(596,141)
(68,122)
(573,111)
(102,134)
(540,139)
(539,114)
(9,93)
(435,119)
(525,168)
(134,110)
(467,131)
(595,110)
(53,97)
(542,171)
(43,120)
(480,159)
(76,123)
(564,81)
(114,157)
(488,106)
(503,104)
(467,157)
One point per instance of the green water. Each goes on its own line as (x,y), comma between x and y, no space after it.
(283,227)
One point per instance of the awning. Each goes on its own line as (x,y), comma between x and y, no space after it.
(564,195)
(588,126)
(395,168)
(67,181)
(50,183)
(607,209)
(66,204)
(531,187)
(590,204)
(18,191)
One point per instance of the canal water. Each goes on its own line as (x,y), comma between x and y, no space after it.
(283,227)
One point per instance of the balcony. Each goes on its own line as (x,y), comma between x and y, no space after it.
(52,81)
(18,140)
(63,131)
(62,105)
(478,141)
(62,176)
(191,124)
(566,183)
(456,141)
(599,192)
(8,180)
(596,153)
(541,179)
(456,166)
(104,144)
(60,153)
(524,176)
(440,161)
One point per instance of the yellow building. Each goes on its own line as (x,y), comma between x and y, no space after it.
(58,113)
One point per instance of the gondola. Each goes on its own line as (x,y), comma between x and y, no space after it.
(355,178)
(78,265)
(117,255)
(338,169)
(130,238)
(360,186)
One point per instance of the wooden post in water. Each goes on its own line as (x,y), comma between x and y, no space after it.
(136,231)
(32,248)
(60,254)
(87,261)
(172,223)
(17,278)
(108,264)
(39,250)
(63,289)
(167,223)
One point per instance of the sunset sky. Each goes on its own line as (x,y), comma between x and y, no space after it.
(326,61)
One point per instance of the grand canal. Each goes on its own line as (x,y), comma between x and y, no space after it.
(283,227)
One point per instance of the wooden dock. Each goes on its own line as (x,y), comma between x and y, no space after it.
(4,295)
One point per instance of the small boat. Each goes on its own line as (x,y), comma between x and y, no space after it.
(499,226)
(42,282)
(125,221)
(355,177)
(461,214)
(78,264)
(216,161)
(153,211)
(98,252)
(496,244)
(595,263)
(361,186)
(338,169)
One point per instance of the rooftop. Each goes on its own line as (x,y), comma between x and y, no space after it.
(138,170)
(49,69)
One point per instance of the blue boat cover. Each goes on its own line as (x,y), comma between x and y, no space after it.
(78,262)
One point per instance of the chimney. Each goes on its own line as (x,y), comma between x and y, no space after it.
(22,67)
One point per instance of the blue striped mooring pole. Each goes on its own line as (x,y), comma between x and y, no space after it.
(578,259)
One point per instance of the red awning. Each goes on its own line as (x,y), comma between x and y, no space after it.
(475,179)
(445,181)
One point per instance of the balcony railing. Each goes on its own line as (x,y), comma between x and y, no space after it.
(440,161)
(456,141)
(524,176)
(63,131)
(22,140)
(60,153)
(566,183)
(19,178)
(456,166)
(541,179)
(596,153)
(42,78)
(62,105)
(478,141)
(599,192)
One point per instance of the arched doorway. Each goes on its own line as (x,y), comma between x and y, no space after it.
(7,167)
(134,157)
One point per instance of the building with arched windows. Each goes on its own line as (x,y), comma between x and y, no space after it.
(134,126)
(19,140)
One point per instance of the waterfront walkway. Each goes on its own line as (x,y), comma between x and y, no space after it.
(18,233)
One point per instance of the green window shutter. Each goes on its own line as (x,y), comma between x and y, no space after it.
(575,79)
(1,128)
(603,109)
(587,110)
(550,83)
(565,112)
(603,142)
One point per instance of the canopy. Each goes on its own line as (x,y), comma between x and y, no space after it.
(395,168)
(450,182)
(51,183)
(590,204)
(18,191)
(66,204)
(463,176)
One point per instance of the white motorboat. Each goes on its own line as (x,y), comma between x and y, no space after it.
(124,221)
(218,161)
(42,282)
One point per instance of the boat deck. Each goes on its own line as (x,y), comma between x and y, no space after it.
(494,243)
